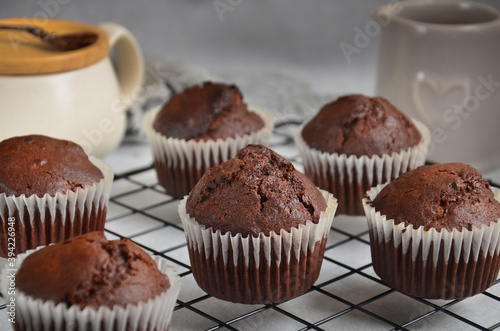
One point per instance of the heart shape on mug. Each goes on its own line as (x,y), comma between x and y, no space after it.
(433,95)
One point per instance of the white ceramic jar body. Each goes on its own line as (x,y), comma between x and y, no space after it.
(82,105)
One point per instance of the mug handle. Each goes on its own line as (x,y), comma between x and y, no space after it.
(129,61)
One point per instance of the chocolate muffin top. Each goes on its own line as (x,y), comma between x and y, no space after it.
(207,112)
(39,165)
(89,270)
(359,125)
(256,192)
(442,196)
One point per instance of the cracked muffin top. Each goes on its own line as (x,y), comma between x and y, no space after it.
(441,196)
(256,192)
(40,165)
(89,270)
(207,112)
(358,125)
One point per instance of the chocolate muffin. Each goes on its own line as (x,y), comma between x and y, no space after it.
(271,195)
(357,142)
(255,205)
(449,196)
(42,165)
(360,125)
(209,111)
(89,270)
(199,128)
(445,223)
(51,189)
(69,284)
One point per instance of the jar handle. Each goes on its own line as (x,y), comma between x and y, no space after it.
(129,61)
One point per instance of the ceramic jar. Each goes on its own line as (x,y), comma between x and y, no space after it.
(79,95)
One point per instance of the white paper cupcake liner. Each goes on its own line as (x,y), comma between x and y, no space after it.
(38,315)
(461,262)
(348,177)
(180,163)
(51,219)
(259,269)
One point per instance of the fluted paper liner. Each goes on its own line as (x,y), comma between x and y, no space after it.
(348,177)
(259,269)
(37,315)
(433,264)
(180,163)
(50,219)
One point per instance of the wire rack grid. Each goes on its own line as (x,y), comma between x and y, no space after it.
(348,295)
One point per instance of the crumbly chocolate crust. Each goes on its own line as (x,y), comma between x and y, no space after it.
(89,270)
(450,195)
(207,112)
(259,191)
(359,125)
(39,165)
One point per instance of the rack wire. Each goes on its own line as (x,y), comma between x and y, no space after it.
(348,295)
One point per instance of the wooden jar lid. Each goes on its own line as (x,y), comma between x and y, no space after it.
(22,53)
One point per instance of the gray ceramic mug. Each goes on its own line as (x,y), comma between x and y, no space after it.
(439,62)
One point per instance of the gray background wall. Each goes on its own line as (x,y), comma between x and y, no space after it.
(300,39)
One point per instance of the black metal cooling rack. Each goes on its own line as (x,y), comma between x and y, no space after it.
(347,296)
